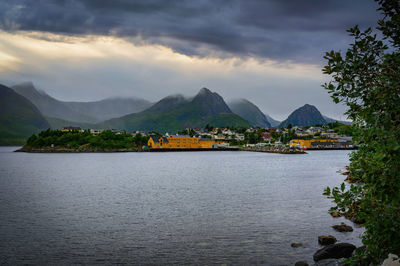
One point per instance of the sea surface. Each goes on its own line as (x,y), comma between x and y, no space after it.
(186,208)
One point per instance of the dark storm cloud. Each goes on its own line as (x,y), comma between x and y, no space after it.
(283,30)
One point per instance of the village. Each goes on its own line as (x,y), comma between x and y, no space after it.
(301,138)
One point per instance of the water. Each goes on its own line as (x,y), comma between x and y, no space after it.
(166,208)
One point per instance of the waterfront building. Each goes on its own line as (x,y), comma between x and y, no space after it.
(96,132)
(183,142)
(71,129)
(239,137)
(309,143)
(315,130)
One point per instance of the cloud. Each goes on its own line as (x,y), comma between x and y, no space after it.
(95,67)
(268,51)
(281,30)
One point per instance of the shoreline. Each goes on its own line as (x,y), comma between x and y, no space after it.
(276,150)
(86,150)
(66,150)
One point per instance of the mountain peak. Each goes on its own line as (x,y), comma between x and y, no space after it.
(167,103)
(307,115)
(250,112)
(308,106)
(204,90)
(211,102)
(28,88)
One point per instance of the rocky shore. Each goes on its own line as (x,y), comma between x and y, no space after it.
(87,149)
(72,150)
(335,254)
(273,149)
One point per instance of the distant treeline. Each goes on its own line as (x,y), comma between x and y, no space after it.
(76,139)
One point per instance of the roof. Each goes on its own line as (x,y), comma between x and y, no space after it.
(156,139)
(180,136)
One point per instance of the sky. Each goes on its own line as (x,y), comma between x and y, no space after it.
(267,51)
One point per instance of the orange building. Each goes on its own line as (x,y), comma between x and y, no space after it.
(182,142)
(308,143)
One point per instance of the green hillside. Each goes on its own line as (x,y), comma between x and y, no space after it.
(19,118)
(250,112)
(171,115)
(307,115)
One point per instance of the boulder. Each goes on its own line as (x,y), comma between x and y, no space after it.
(301,263)
(296,245)
(343,227)
(330,262)
(392,260)
(326,240)
(334,251)
(336,214)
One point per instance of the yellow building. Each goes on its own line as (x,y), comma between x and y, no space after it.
(308,143)
(71,129)
(182,142)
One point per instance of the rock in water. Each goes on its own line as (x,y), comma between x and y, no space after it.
(343,227)
(326,240)
(296,245)
(392,260)
(330,262)
(336,214)
(301,263)
(334,251)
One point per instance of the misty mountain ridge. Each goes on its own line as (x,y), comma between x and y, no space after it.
(210,103)
(331,120)
(19,118)
(170,114)
(167,103)
(85,112)
(175,112)
(250,112)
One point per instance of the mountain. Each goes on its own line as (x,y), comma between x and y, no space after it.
(331,120)
(49,106)
(84,112)
(58,123)
(167,103)
(307,115)
(175,113)
(210,103)
(19,118)
(250,112)
(273,122)
(110,108)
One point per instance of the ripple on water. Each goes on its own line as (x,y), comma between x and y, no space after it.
(174,208)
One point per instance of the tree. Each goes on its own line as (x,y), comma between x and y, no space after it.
(367,79)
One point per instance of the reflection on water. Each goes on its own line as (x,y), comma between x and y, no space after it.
(166,208)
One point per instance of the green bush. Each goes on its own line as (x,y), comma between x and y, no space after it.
(367,79)
(105,140)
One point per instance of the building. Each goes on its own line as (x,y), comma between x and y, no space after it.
(266,136)
(239,137)
(218,137)
(117,131)
(314,130)
(96,132)
(71,129)
(182,142)
(330,134)
(310,143)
